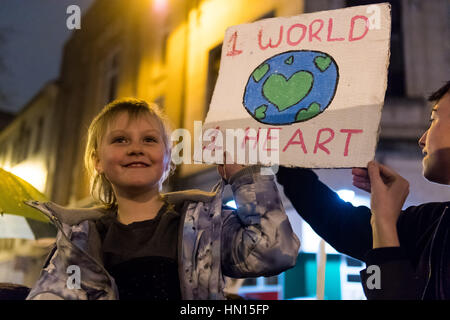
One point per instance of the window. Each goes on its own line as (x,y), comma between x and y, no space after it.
(25,144)
(164,43)
(354,278)
(351,262)
(249,282)
(214,66)
(213,73)
(396,71)
(21,145)
(261,281)
(112,66)
(270,14)
(350,278)
(3,151)
(263,287)
(271,280)
(38,142)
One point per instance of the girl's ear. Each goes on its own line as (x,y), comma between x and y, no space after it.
(98,164)
(167,167)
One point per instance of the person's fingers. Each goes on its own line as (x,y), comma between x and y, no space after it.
(362,172)
(227,158)
(361,179)
(374,174)
(399,185)
(365,186)
(386,171)
(221,170)
(388,175)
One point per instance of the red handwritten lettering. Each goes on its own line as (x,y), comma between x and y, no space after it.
(349,135)
(313,34)
(297,25)
(247,138)
(212,145)
(269,137)
(280,38)
(352,28)
(320,145)
(301,142)
(233,51)
(330,31)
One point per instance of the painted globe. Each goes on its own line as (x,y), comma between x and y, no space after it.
(291,87)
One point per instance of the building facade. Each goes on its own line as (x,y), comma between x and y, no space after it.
(28,143)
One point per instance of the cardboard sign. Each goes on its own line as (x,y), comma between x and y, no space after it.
(309,88)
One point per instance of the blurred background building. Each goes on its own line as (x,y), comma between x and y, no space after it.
(168,52)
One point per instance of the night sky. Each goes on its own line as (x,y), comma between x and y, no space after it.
(34,32)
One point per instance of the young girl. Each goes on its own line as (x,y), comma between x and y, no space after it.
(141,244)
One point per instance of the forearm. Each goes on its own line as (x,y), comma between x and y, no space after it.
(258,238)
(384,234)
(343,226)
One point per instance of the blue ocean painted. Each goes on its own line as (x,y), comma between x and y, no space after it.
(291,87)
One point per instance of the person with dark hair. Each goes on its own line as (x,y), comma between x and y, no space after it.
(409,249)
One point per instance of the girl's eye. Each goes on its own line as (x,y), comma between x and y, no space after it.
(150,139)
(119,140)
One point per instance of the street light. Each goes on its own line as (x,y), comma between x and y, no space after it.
(33,173)
(231,204)
(160,6)
(346,195)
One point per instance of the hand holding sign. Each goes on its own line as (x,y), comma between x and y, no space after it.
(226,170)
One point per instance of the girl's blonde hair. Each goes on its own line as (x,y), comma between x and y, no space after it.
(100,188)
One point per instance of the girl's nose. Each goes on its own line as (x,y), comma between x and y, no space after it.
(135,148)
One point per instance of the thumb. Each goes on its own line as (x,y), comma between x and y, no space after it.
(387,173)
(393,179)
(374,174)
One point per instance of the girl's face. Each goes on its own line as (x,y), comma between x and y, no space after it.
(132,154)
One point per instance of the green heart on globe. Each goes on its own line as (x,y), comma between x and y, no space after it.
(285,93)
(305,114)
(322,63)
(260,72)
(260,112)
(289,60)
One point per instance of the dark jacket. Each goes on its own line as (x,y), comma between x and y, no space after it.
(418,269)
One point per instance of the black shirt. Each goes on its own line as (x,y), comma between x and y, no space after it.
(142,256)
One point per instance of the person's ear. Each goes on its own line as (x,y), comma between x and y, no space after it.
(98,164)
(168,161)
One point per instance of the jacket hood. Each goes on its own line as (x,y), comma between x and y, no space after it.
(74,216)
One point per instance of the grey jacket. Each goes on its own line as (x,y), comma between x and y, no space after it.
(254,240)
